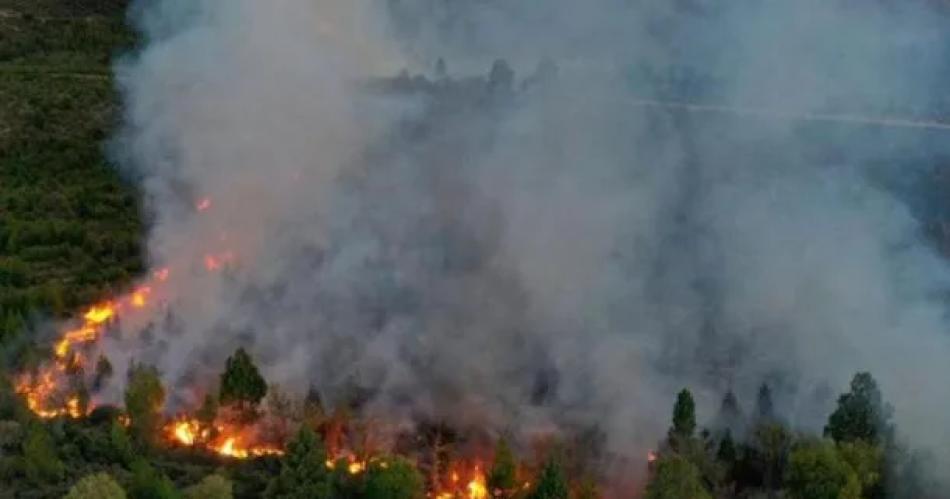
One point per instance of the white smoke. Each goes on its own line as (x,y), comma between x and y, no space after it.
(447,253)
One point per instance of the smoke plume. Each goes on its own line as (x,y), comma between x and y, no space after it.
(530,248)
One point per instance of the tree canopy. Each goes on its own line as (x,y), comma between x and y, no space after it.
(241,382)
(676,478)
(96,486)
(861,413)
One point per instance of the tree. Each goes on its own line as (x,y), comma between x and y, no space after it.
(394,478)
(730,415)
(502,476)
(684,418)
(40,462)
(552,483)
(303,472)
(97,486)
(816,471)
(120,444)
(144,398)
(148,483)
(242,384)
(865,460)
(211,487)
(502,77)
(764,408)
(103,372)
(861,413)
(676,478)
(726,453)
(772,441)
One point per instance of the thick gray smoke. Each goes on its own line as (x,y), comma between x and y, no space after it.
(535,251)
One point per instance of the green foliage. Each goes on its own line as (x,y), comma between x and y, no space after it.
(144,398)
(69,226)
(503,473)
(861,413)
(40,462)
(241,382)
(727,449)
(865,460)
(303,472)
(552,484)
(120,445)
(684,416)
(816,471)
(676,478)
(211,487)
(148,483)
(96,486)
(773,443)
(394,478)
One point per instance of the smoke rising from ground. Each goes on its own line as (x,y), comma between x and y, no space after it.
(533,257)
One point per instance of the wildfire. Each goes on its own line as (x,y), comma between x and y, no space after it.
(215,262)
(231,448)
(161,274)
(474,487)
(203,204)
(184,431)
(140,296)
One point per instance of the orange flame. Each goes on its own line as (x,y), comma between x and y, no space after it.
(162,274)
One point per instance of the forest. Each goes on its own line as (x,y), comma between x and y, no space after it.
(71,235)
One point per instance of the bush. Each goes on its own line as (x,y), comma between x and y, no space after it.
(98,486)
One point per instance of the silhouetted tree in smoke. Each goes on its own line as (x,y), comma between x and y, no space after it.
(764,407)
(440,70)
(242,385)
(501,78)
(684,419)
(103,372)
(729,418)
(861,413)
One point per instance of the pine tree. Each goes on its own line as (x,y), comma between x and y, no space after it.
(764,408)
(861,413)
(684,419)
(551,482)
(242,384)
(303,472)
(502,477)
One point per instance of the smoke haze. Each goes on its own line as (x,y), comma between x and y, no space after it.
(543,253)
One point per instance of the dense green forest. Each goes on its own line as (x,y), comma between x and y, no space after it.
(70,229)
(71,232)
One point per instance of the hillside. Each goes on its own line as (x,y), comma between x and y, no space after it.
(69,225)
